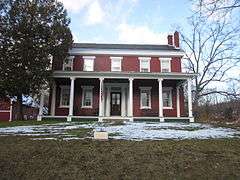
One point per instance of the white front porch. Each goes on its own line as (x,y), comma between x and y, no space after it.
(126,110)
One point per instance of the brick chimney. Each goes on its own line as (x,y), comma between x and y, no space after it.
(170,40)
(176,39)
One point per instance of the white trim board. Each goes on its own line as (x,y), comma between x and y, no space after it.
(120,52)
(123,75)
(8,111)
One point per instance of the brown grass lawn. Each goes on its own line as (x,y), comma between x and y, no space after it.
(23,158)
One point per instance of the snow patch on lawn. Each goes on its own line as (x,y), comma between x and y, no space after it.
(128,131)
(158,131)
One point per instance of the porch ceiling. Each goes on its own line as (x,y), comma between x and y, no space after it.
(122,75)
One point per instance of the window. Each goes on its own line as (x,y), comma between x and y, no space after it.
(87,96)
(116,63)
(165,64)
(144,64)
(167,98)
(65,96)
(68,64)
(88,63)
(145,96)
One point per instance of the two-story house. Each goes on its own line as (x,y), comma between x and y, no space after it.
(122,81)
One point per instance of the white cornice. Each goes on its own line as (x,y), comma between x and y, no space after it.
(120,52)
(123,75)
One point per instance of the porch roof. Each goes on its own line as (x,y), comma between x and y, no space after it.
(123,75)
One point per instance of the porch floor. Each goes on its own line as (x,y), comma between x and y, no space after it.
(167,119)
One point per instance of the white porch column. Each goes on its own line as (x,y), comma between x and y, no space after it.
(178,101)
(53,99)
(123,113)
(100,99)
(130,108)
(108,102)
(160,96)
(71,100)
(191,119)
(40,113)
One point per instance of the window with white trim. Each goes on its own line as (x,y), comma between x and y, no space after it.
(87,96)
(145,97)
(68,64)
(167,98)
(144,64)
(165,64)
(65,96)
(116,63)
(88,63)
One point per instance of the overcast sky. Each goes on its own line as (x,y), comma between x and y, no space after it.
(126,21)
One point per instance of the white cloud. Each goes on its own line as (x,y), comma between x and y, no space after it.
(95,14)
(75,5)
(140,35)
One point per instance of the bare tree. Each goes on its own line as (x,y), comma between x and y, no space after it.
(214,6)
(210,49)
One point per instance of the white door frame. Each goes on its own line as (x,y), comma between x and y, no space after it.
(122,88)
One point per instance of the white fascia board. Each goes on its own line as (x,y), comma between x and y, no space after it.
(120,52)
(122,75)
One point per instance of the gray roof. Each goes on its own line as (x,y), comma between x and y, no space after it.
(126,46)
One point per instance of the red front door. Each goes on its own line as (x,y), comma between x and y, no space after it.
(116,104)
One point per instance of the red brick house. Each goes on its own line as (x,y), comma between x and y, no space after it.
(121,81)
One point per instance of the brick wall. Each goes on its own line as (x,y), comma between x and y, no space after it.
(129,64)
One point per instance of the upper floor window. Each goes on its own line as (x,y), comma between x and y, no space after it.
(167,98)
(88,63)
(116,63)
(165,64)
(68,64)
(65,96)
(144,64)
(87,96)
(145,97)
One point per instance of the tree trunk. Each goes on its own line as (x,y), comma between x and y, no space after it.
(196,106)
(19,107)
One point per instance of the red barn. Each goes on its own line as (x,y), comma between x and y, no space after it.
(8,110)
(5,109)
(122,81)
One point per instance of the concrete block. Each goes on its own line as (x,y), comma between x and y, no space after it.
(101,135)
